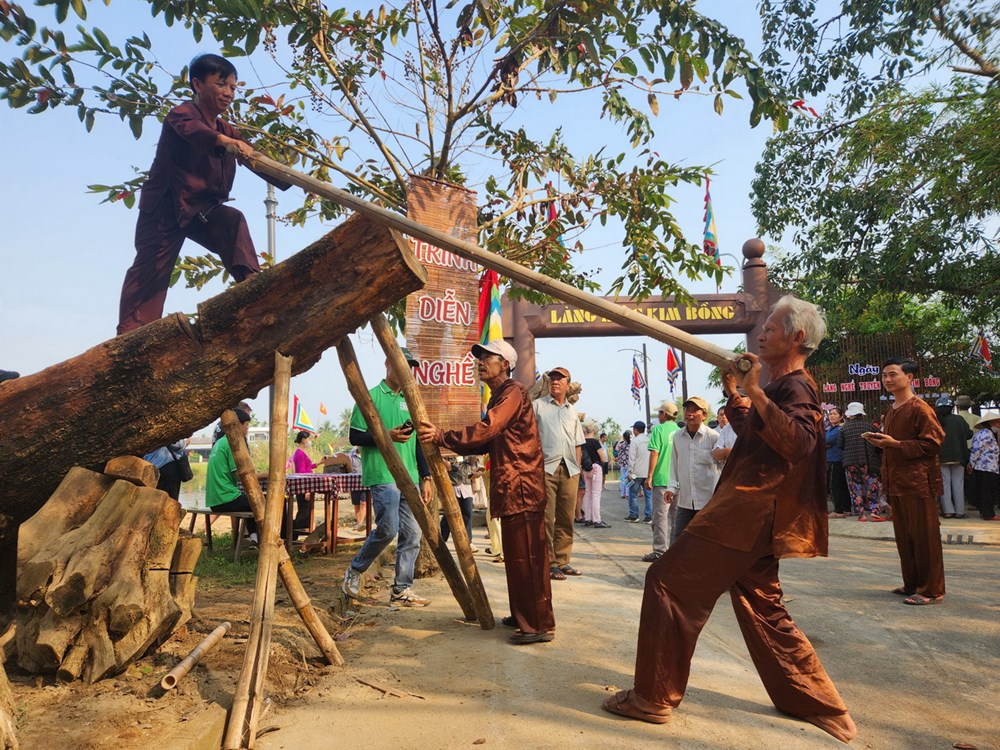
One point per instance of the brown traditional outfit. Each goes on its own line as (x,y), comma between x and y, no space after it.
(182,198)
(770,503)
(517,498)
(912,480)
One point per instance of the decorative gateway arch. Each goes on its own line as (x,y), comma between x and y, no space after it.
(742,312)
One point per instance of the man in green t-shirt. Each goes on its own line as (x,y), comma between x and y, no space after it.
(392,513)
(658,476)
(222,489)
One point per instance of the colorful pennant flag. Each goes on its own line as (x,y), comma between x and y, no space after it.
(673,368)
(711,243)
(322,408)
(300,420)
(490,326)
(981,351)
(638,382)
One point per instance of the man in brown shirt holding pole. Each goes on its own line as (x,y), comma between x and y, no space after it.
(770,503)
(517,488)
(911,476)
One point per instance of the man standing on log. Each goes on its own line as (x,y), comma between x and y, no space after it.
(770,503)
(185,193)
(392,513)
(911,476)
(517,488)
(562,437)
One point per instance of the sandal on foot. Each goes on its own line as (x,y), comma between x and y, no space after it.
(508,621)
(623,704)
(520,638)
(900,591)
(919,600)
(651,557)
(570,570)
(556,574)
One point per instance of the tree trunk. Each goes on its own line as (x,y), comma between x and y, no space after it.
(8,721)
(162,382)
(94,587)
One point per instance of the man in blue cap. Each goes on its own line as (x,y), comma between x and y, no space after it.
(392,514)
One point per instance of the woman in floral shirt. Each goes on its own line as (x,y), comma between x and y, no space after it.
(621,461)
(984,465)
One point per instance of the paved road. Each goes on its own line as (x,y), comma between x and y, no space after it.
(914,678)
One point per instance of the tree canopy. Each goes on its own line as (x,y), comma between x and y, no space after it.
(889,191)
(453,91)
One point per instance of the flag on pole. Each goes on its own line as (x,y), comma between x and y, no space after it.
(711,242)
(981,351)
(673,368)
(490,326)
(322,409)
(638,382)
(300,420)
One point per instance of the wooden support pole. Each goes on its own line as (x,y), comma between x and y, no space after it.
(241,730)
(359,391)
(248,477)
(631,319)
(449,502)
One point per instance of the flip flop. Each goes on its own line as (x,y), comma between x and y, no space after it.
(621,703)
(919,600)
(570,570)
(900,591)
(508,621)
(556,574)
(520,638)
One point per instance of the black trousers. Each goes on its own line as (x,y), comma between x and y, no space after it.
(465,505)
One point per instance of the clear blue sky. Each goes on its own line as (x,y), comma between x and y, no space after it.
(64,254)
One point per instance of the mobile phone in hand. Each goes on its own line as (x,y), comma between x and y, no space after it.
(407,426)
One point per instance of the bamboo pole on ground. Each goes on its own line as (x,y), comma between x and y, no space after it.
(449,502)
(300,600)
(356,385)
(175,675)
(631,319)
(241,730)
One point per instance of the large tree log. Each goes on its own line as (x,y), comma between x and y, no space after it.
(8,722)
(164,381)
(94,590)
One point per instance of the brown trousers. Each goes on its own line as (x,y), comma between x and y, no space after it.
(158,241)
(560,507)
(681,590)
(526,559)
(918,540)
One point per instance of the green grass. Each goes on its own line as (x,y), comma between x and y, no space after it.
(216,569)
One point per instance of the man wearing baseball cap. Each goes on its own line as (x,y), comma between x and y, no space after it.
(694,473)
(392,513)
(517,488)
(562,437)
(661,439)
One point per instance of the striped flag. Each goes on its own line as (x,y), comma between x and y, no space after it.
(673,368)
(300,420)
(711,242)
(490,326)
(638,382)
(981,351)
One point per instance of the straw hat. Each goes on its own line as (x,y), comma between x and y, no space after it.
(990,416)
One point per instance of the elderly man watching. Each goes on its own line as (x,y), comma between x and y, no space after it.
(517,488)
(770,503)
(562,437)
(694,472)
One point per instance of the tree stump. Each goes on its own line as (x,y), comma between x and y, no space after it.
(94,576)
(8,721)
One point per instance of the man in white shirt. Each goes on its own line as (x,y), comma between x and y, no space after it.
(562,435)
(693,470)
(727,439)
(638,463)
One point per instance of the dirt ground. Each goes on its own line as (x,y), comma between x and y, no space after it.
(913,677)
